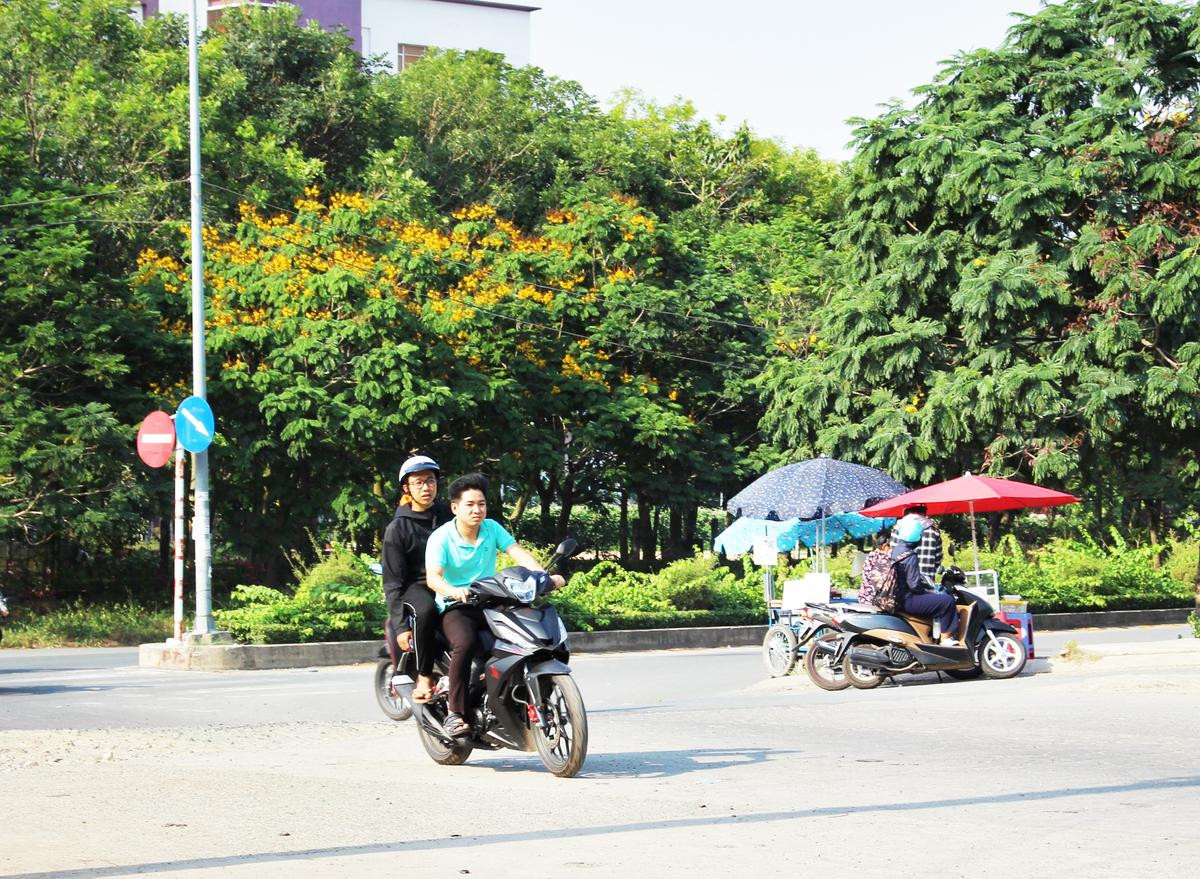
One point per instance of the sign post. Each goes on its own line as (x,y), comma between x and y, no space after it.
(179,538)
(196,427)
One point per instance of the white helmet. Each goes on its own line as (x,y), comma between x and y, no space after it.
(416,464)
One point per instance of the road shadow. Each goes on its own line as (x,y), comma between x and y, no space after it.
(53,689)
(870,810)
(649,764)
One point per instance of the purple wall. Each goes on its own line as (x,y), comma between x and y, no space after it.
(149,9)
(329,13)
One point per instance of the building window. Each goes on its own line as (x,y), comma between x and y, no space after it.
(408,54)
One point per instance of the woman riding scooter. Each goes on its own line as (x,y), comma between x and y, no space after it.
(912,593)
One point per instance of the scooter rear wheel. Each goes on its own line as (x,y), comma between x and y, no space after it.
(563,746)
(862,677)
(390,702)
(820,670)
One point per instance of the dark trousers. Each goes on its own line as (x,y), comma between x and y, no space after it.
(937,605)
(461,625)
(418,601)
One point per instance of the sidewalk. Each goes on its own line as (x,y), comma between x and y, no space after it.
(1176,653)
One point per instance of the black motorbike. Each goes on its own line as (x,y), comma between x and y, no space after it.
(521,694)
(874,646)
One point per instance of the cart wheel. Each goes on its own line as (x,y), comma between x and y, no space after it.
(779,650)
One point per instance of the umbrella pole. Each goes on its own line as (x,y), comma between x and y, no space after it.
(974,543)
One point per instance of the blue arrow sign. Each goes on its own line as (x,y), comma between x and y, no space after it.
(194,424)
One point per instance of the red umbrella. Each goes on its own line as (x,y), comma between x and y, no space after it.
(972,494)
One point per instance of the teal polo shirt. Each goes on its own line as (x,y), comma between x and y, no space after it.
(462,562)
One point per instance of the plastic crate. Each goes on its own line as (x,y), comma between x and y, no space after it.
(1023,623)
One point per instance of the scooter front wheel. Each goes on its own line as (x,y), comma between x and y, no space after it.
(1002,656)
(562,738)
(390,702)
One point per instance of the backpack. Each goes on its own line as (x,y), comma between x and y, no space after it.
(885,597)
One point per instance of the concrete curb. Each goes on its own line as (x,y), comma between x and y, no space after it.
(1108,619)
(231,657)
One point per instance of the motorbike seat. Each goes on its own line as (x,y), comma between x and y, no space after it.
(922,625)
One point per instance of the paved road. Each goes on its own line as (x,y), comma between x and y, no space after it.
(99,688)
(697,766)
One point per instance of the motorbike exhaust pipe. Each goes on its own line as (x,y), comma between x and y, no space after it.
(869,656)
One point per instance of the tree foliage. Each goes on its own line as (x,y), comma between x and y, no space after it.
(1020,284)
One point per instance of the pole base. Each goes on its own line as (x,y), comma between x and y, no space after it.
(206,639)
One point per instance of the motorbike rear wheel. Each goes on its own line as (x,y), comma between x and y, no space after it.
(1003,657)
(862,677)
(447,755)
(820,670)
(390,702)
(779,650)
(563,746)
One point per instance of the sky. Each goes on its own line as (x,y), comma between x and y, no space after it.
(794,70)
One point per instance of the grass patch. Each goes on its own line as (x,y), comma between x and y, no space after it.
(77,625)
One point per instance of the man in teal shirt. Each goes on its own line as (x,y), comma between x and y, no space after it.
(457,554)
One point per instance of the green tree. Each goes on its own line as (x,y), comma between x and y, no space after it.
(1020,288)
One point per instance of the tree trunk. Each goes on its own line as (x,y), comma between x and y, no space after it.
(566,503)
(519,506)
(645,530)
(623,529)
(689,528)
(675,538)
(547,498)
(166,567)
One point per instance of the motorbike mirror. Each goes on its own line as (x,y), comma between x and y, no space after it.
(567,548)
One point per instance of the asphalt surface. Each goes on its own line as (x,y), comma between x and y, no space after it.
(697,766)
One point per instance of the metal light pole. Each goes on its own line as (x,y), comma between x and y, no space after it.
(200,517)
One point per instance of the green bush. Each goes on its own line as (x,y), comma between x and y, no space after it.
(77,625)
(1194,619)
(337,599)
(690,592)
(1068,575)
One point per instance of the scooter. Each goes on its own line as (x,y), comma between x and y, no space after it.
(521,694)
(876,646)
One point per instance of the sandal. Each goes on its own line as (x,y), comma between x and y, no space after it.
(455,725)
(423,694)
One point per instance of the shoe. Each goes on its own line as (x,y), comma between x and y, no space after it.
(950,642)
(456,726)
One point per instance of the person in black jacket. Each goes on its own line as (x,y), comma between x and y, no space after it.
(404,584)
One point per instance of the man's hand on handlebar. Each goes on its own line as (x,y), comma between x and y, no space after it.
(462,593)
(558,580)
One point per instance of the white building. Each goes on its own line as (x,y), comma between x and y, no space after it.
(398,30)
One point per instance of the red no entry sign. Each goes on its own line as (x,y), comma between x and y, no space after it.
(156,439)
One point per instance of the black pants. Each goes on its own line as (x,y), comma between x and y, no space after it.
(461,624)
(417,600)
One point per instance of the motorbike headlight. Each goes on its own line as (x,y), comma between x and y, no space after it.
(522,590)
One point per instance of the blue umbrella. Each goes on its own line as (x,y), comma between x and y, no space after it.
(814,488)
(831,530)
(739,537)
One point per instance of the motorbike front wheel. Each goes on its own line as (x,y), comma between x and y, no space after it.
(821,671)
(390,702)
(1002,657)
(562,739)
